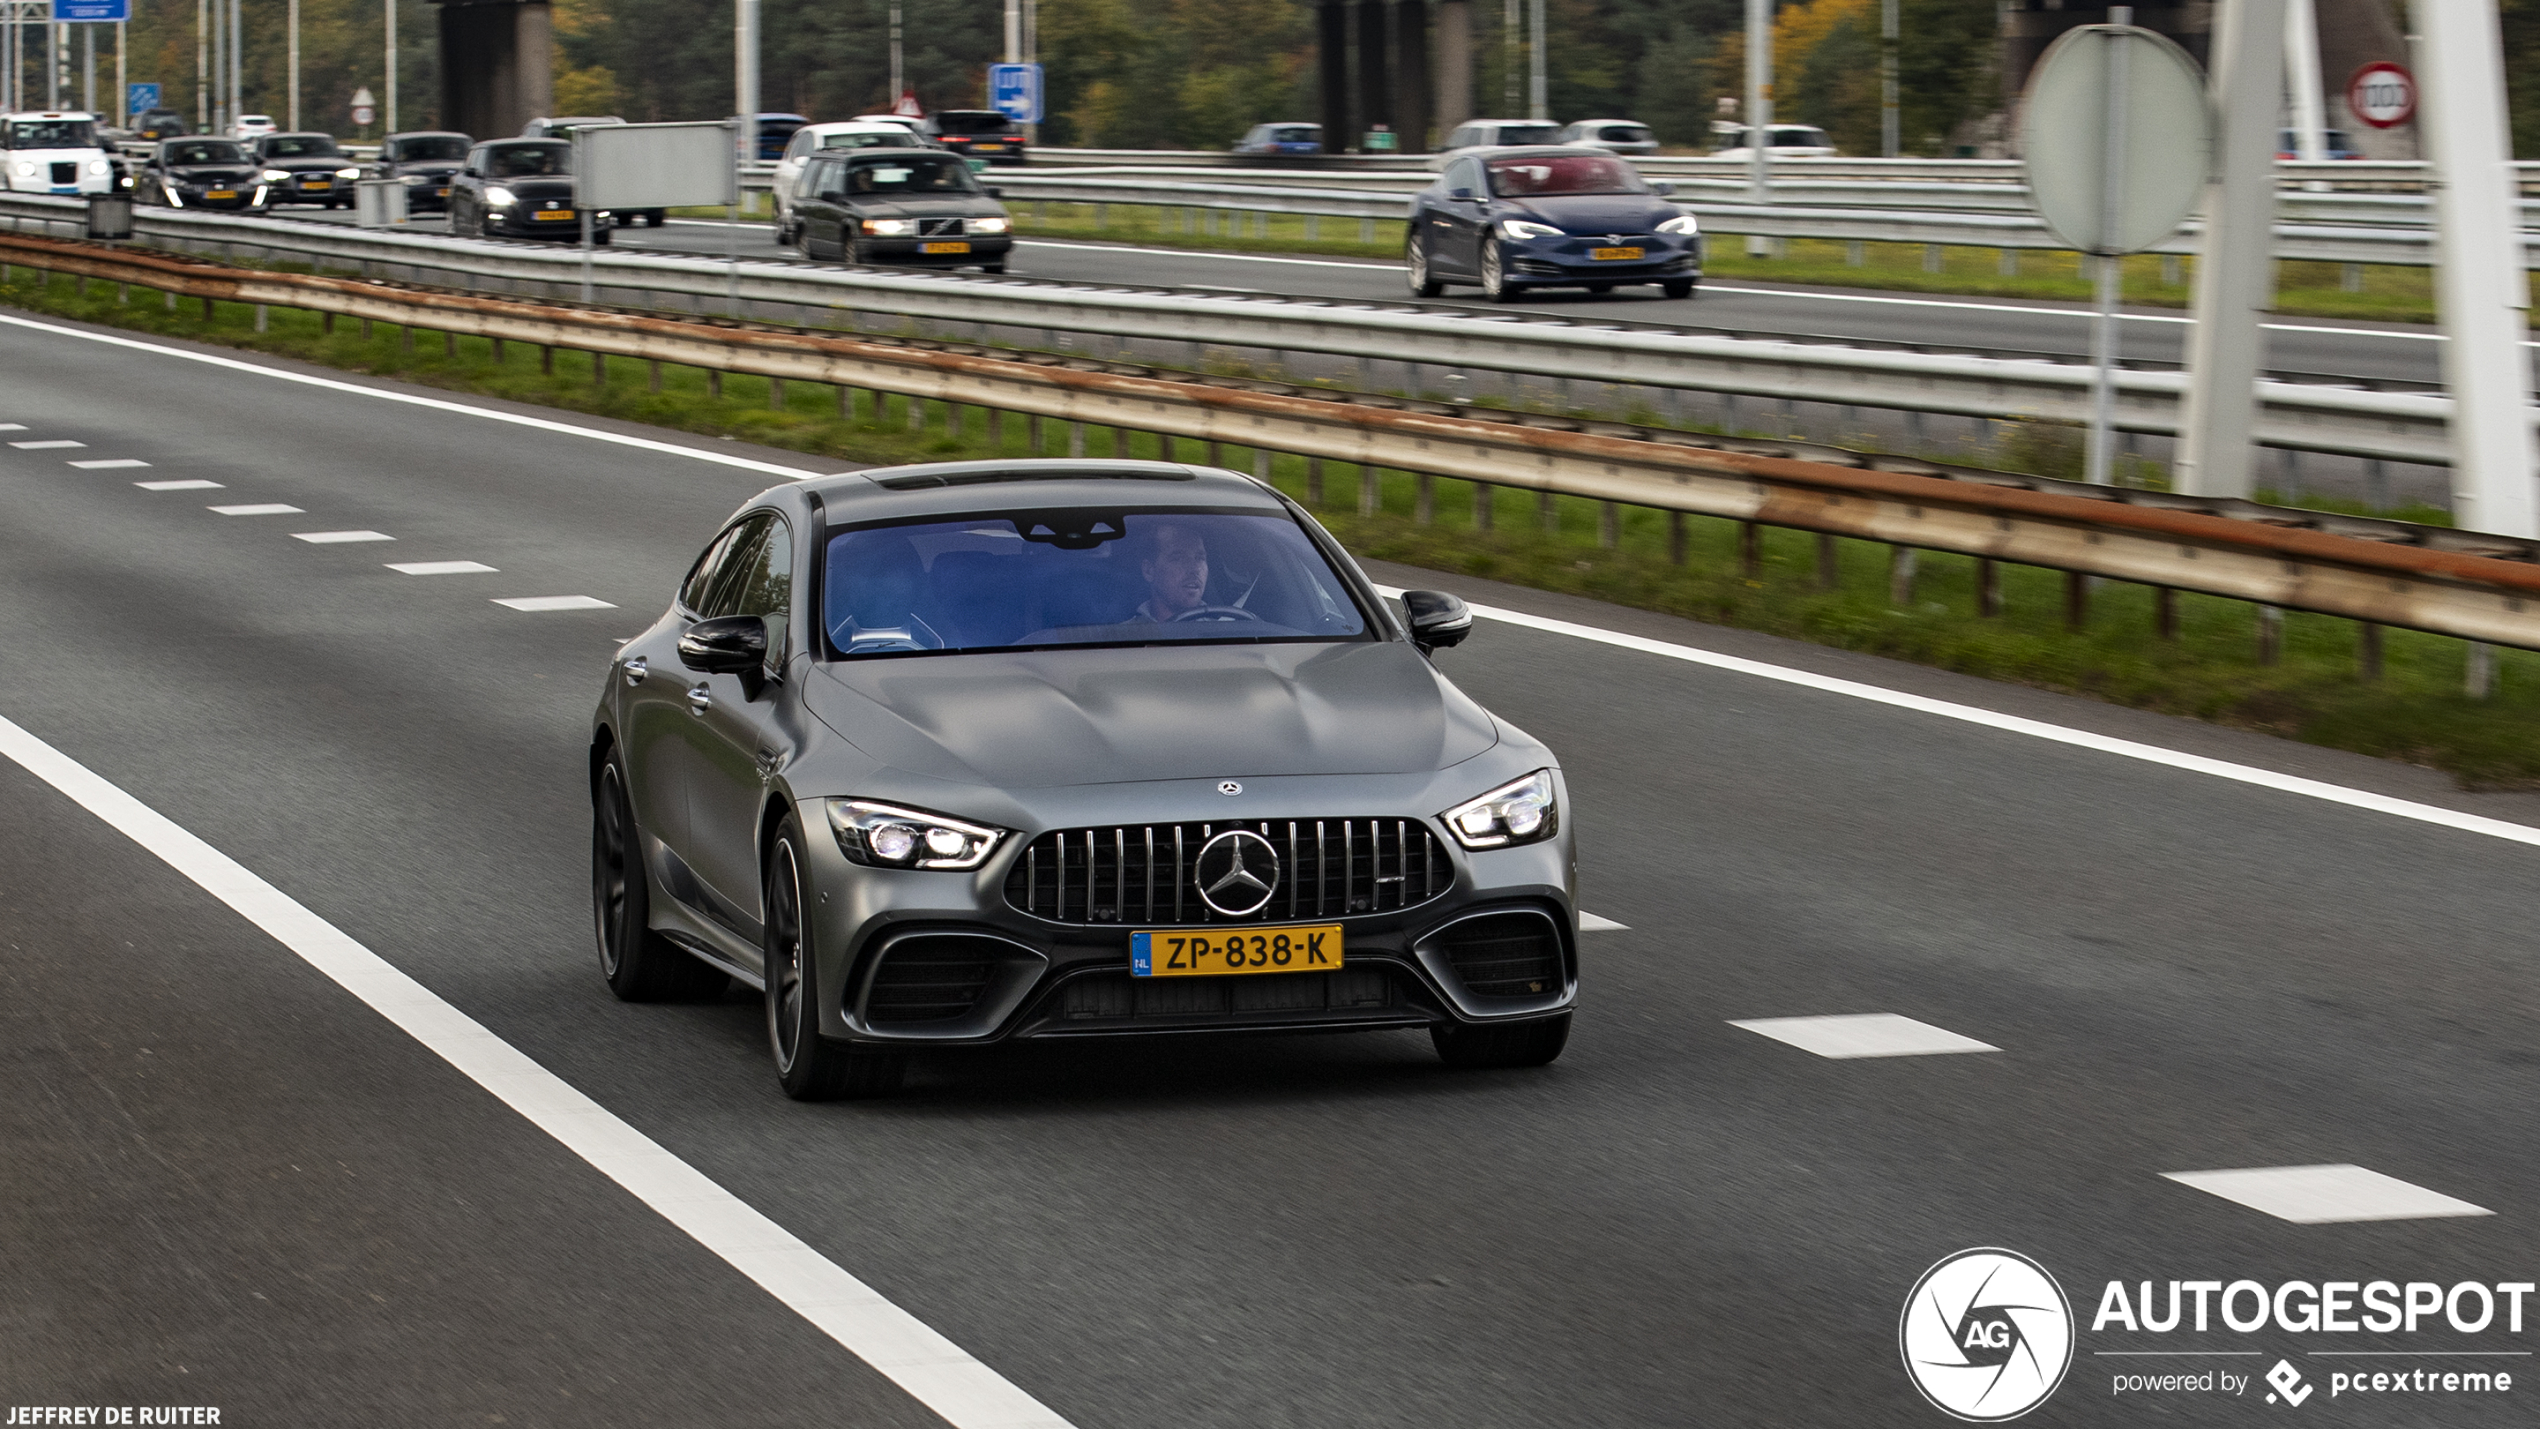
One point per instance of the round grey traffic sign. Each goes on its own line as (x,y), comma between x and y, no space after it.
(2118,137)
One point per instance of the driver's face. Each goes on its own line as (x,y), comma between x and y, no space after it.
(1177,574)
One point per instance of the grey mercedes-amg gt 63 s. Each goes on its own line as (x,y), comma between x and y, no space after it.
(954,754)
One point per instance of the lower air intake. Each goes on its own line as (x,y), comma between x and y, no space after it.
(930,979)
(1505,955)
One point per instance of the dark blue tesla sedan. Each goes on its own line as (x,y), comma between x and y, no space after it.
(1548,217)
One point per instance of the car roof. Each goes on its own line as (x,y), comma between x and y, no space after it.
(851,126)
(427,134)
(517,141)
(960,488)
(860,155)
(303,134)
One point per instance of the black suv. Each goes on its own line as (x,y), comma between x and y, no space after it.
(198,173)
(425,162)
(520,188)
(979,133)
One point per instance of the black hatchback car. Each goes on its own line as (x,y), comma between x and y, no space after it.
(917,206)
(519,188)
(425,163)
(981,133)
(305,168)
(198,173)
(1506,220)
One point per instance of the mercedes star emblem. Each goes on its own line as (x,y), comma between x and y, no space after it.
(1237,872)
(1229,787)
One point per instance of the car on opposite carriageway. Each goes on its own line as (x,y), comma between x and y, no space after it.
(424,162)
(520,188)
(921,207)
(951,755)
(199,173)
(55,151)
(304,168)
(1508,220)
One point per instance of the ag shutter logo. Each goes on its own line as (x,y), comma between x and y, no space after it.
(1986,1335)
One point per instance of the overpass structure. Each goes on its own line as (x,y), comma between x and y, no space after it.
(496,69)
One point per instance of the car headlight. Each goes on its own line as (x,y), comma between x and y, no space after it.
(990,225)
(275,176)
(98,166)
(1520,228)
(24,168)
(886,836)
(1681,223)
(887,226)
(1520,812)
(498,196)
(348,173)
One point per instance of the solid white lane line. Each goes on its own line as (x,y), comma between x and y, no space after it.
(338,538)
(269,508)
(2321,1195)
(936,1372)
(553,602)
(2033,728)
(1869,1034)
(1375,265)
(415,399)
(195,484)
(1590,923)
(46,446)
(110,464)
(440,568)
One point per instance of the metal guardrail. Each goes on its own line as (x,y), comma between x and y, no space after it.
(2315,417)
(2389,573)
(2360,172)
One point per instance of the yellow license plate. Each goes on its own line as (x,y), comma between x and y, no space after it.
(1209,952)
(1000,148)
(221,193)
(943,248)
(554,215)
(1623,254)
(440,193)
(319,184)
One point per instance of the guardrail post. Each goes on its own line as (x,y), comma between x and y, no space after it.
(1901,561)
(599,369)
(260,317)
(1856,254)
(2076,601)
(1675,538)
(776,393)
(2165,612)
(1424,500)
(2367,651)
(714,383)
(2270,634)
(2008,263)
(1829,563)
(1032,433)
(1988,587)
(1261,465)
(2478,680)
(1548,506)
(1482,492)
(652,374)
(546,357)
(1314,482)
(1609,526)
(207,314)
(449,343)
(2171,274)
(1750,549)
(917,413)
(1075,439)
(405,335)
(952,420)
(1931,257)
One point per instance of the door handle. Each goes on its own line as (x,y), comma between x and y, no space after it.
(636,669)
(700,700)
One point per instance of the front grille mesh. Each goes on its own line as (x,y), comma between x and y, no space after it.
(1142,873)
(1505,955)
(930,979)
(939,227)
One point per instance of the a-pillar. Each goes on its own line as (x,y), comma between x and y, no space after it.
(496,65)
(1332,36)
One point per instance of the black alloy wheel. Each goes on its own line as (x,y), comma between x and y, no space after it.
(1415,269)
(811,1067)
(640,964)
(1528,1044)
(1495,273)
(1677,287)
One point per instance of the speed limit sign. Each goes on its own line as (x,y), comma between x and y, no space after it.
(2382,94)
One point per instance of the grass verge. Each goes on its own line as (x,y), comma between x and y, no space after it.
(2415,711)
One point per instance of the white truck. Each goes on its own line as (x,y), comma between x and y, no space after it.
(55,152)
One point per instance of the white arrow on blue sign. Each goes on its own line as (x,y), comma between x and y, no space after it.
(140,98)
(1013,91)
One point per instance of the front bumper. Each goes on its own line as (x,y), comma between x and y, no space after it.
(329,190)
(522,222)
(1571,261)
(979,248)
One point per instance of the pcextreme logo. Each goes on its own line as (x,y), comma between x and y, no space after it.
(1986,1335)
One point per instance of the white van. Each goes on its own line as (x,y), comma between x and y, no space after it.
(55,152)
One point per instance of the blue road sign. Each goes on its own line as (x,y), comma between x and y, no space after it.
(140,98)
(1013,90)
(92,10)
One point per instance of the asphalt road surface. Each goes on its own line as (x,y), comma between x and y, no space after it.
(232,1183)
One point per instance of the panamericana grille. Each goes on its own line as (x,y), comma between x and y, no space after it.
(1505,955)
(66,173)
(1141,874)
(930,979)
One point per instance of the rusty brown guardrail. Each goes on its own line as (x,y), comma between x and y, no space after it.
(2476,587)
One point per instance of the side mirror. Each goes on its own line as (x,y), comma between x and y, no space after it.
(992,191)
(725,645)
(1662,188)
(1438,620)
(1459,193)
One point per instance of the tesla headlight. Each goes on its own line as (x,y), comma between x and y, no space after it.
(888,226)
(1520,228)
(498,196)
(275,176)
(1519,812)
(1681,223)
(886,836)
(348,173)
(990,225)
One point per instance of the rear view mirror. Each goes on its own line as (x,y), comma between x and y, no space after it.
(1438,620)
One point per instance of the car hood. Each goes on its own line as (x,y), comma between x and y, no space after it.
(436,168)
(306,162)
(1037,719)
(1595,213)
(544,186)
(208,173)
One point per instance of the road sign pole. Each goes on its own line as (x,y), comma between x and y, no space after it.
(2116,49)
(123,86)
(1759,114)
(2480,288)
(745,78)
(293,80)
(2235,268)
(2302,75)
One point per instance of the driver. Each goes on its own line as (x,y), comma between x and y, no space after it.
(1176,573)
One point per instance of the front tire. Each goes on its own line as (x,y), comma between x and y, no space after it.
(1677,288)
(809,1066)
(1495,285)
(1528,1044)
(639,964)
(1415,269)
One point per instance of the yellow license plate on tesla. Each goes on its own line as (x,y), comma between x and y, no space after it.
(1210,952)
(1614,254)
(943,248)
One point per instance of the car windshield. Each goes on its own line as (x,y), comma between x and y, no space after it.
(302,146)
(947,175)
(52,134)
(1800,139)
(1625,134)
(1533,175)
(1525,134)
(528,161)
(972,121)
(1033,579)
(869,139)
(432,147)
(1296,135)
(205,151)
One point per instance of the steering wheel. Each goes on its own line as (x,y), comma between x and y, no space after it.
(1213,613)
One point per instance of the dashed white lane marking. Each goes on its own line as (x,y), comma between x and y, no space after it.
(118,463)
(2321,1195)
(50,446)
(553,602)
(1590,923)
(338,538)
(12,426)
(1868,1034)
(190,484)
(269,508)
(440,568)
(936,1372)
